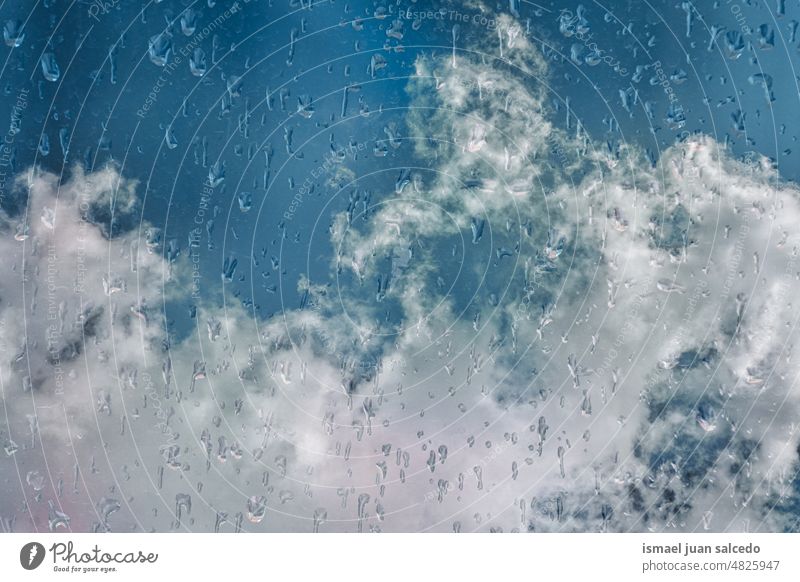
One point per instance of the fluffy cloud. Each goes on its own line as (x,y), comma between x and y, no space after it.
(529,334)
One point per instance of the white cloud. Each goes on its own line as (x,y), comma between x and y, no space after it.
(578,343)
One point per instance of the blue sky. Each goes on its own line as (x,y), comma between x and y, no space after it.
(399,267)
